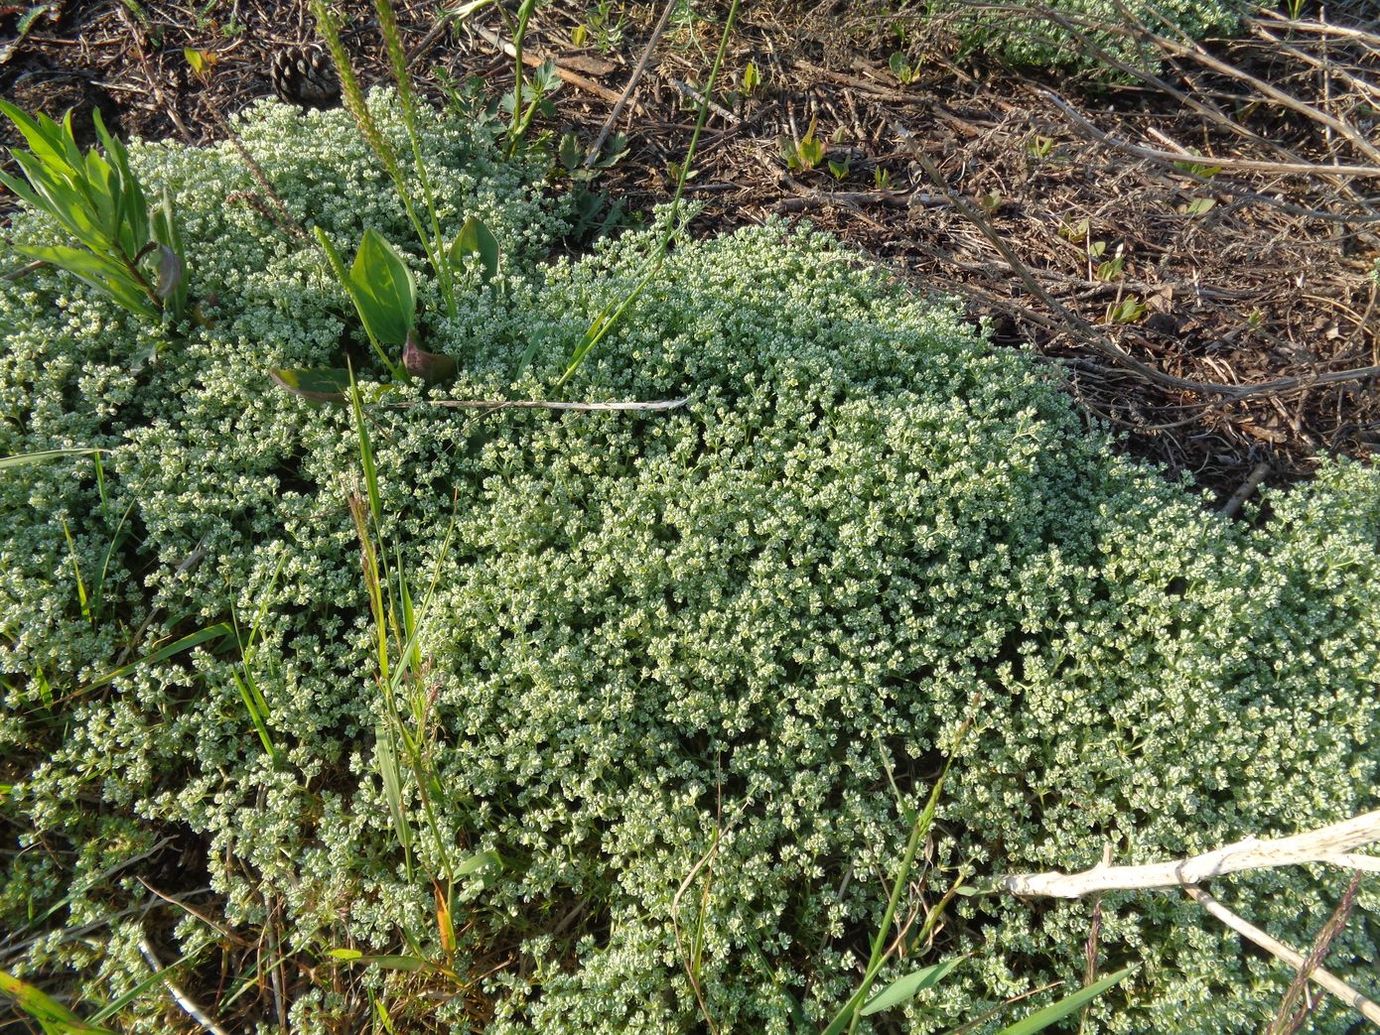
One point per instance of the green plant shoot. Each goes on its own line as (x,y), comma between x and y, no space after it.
(100,202)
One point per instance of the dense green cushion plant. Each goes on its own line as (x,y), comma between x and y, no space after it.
(717,633)
(1097,35)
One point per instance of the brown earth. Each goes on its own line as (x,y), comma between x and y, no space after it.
(1220,311)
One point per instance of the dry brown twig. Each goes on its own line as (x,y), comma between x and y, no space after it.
(633,80)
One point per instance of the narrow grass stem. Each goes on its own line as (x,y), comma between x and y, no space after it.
(605,322)
(517,125)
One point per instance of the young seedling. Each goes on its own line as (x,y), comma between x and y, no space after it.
(805,154)
(128,249)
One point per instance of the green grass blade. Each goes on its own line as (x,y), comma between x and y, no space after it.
(1042,1019)
(49,1013)
(219,631)
(387,761)
(366,456)
(908,987)
(43,456)
(76,570)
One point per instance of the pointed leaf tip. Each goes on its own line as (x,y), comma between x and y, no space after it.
(318,385)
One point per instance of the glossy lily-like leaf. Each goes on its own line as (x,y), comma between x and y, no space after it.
(382,288)
(475,238)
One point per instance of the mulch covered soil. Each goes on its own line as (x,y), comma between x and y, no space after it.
(1220,310)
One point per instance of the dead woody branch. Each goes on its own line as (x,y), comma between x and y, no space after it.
(1330,844)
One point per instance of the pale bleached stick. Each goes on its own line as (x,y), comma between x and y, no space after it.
(1322,845)
(540,404)
(1323,978)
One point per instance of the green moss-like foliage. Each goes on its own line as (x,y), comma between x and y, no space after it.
(715,635)
(1099,35)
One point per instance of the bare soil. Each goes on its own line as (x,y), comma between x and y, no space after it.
(1220,311)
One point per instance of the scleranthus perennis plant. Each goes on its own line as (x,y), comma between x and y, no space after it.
(651,636)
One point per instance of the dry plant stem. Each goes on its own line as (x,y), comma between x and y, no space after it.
(183,1000)
(822,199)
(535,61)
(633,79)
(1321,28)
(1323,978)
(1287,1020)
(1088,334)
(1321,845)
(1240,164)
(536,404)
(704,861)
(153,82)
(286,222)
(1082,330)
(1241,495)
(1344,129)
(699,98)
(1368,863)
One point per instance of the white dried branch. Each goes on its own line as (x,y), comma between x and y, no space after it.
(189,1005)
(1323,978)
(537,404)
(1323,845)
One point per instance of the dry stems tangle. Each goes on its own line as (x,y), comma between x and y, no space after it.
(1335,844)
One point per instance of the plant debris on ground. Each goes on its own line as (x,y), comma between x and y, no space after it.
(1054,205)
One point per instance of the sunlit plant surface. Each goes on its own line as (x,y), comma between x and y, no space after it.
(618,721)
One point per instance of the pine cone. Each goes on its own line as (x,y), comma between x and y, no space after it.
(306,77)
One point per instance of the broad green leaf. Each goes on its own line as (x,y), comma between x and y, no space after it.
(475,238)
(383,290)
(408,963)
(1042,1019)
(57,194)
(387,761)
(20,189)
(480,862)
(135,222)
(43,1008)
(908,987)
(42,135)
(387,962)
(315,385)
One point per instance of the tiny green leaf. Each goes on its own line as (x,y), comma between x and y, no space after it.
(202,62)
(345,954)
(569,151)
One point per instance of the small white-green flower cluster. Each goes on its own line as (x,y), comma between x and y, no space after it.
(679,660)
(1109,35)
